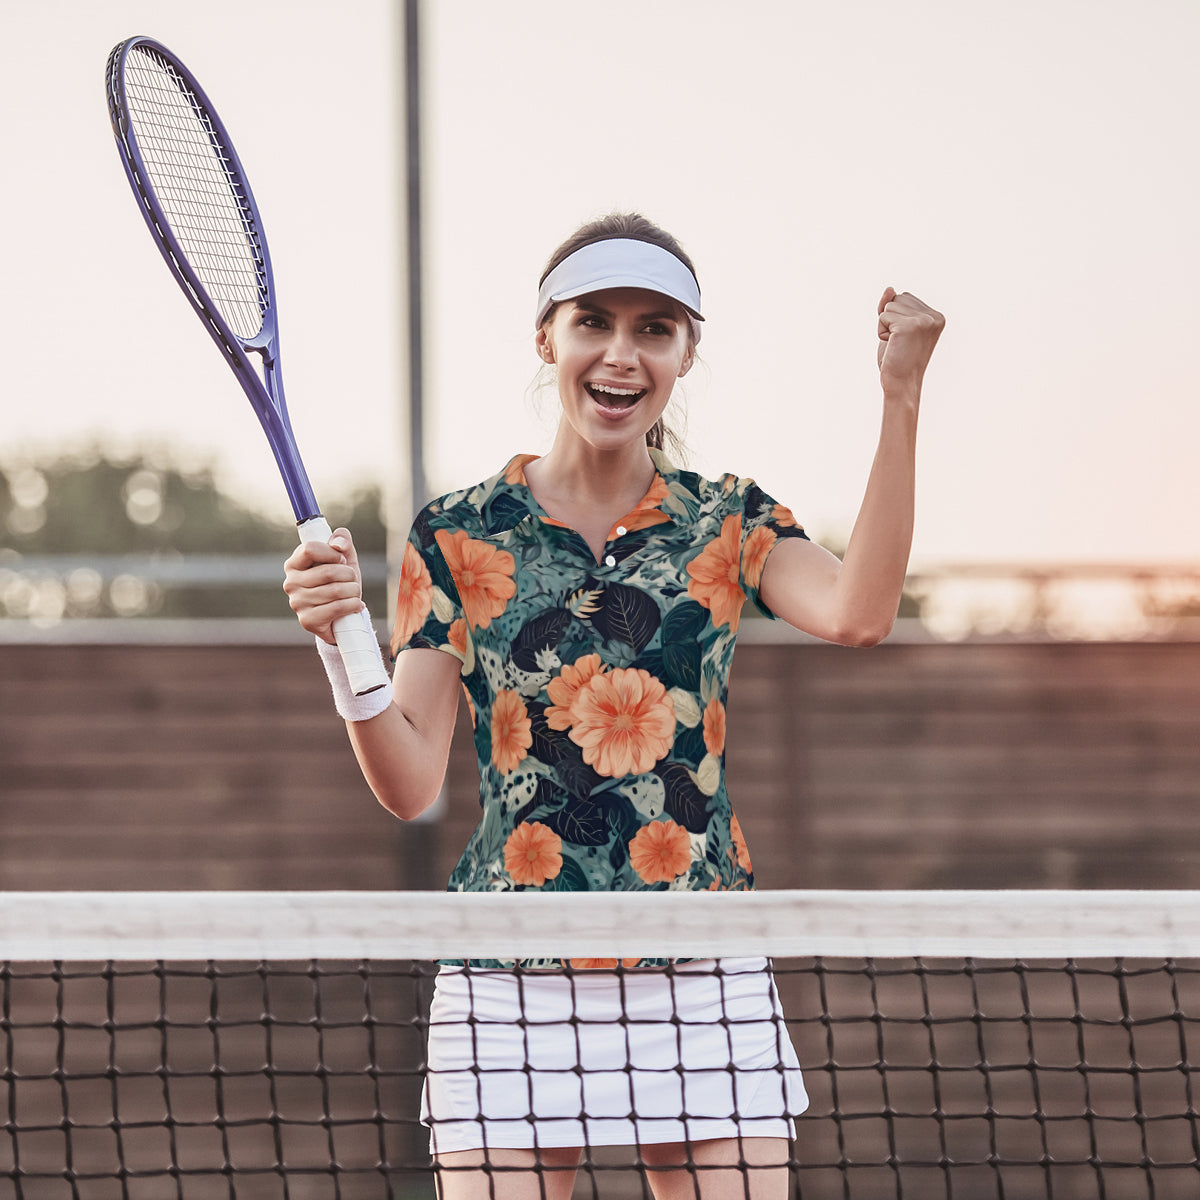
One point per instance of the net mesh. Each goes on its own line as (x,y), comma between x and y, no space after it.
(198,187)
(1003,1077)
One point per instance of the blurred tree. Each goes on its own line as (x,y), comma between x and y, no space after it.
(102,507)
(92,503)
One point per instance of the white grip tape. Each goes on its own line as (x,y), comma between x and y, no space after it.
(355,636)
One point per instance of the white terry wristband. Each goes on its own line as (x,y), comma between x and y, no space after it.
(350,706)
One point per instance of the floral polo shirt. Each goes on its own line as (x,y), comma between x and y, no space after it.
(596,689)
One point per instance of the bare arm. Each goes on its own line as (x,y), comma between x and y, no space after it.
(855,602)
(403,751)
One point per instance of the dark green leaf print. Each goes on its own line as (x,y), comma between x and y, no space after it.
(627,615)
(422,529)
(541,633)
(574,774)
(682,647)
(651,661)
(681,665)
(685,804)
(580,822)
(624,822)
(684,623)
(439,572)
(689,746)
(570,879)
(549,745)
(503,511)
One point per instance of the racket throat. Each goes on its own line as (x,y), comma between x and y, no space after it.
(262,343)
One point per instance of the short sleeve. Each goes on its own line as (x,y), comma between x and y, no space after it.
(429,612)
(765,522)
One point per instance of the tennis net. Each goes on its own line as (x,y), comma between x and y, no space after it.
(965,1045)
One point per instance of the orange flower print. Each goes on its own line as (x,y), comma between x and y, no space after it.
(782,515)
(533,854)
(714,576)
(624,722)
(514,473)
(739,842)
(754,554)
(647,511)
(482,574)
(714,727)
(660,852)
(593,964)
(564,687)
(414,596)
(511,733)
(457,636)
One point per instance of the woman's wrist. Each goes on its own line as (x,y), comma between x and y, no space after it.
(902,394)
(349,706)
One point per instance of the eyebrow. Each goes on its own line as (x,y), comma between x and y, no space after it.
(661,315)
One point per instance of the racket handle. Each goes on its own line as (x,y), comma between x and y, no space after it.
(355,638)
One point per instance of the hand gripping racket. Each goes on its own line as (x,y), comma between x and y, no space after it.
(197,202)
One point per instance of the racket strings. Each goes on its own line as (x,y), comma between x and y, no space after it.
(199,190)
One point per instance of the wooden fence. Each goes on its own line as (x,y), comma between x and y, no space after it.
(932,765)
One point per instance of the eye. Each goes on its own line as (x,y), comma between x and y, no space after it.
(658,329)
(590,321)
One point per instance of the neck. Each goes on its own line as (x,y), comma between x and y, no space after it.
(574,468)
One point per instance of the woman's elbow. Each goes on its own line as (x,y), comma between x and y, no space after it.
(405,790)
(407,804)
(861,635)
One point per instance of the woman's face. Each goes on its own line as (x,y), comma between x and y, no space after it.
(618,354)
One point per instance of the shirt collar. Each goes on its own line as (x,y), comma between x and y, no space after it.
(521,502)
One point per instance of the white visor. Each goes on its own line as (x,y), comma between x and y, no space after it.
(616,263)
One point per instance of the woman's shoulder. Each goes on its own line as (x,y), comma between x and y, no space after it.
(727,490)
(728,495)
(480,509)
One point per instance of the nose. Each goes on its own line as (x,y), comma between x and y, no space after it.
(621,352)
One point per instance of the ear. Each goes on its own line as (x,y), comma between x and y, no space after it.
(545,347)
(688,359)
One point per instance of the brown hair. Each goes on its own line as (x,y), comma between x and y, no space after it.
(637,228)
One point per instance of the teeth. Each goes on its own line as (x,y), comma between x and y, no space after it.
(613,391)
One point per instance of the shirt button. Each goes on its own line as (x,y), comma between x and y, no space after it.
(610,561)
(621,531)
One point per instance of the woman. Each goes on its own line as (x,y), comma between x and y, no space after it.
(588,600)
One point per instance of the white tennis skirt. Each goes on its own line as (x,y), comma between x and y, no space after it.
(607,1058)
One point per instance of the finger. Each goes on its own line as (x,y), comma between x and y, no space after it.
(889,294)
(343,542)
(345,597)
(904,308)
(320,620)
(311,554)
(908,304)
(313,589)
(329,575)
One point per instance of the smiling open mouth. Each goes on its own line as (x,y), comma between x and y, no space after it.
(612,397)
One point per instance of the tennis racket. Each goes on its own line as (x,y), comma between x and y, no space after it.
(194,195)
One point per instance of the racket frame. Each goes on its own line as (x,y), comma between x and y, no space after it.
(359,647)
(265,393)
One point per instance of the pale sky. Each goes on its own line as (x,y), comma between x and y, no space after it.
(1030,169)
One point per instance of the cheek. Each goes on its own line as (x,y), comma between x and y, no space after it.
(671,365)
